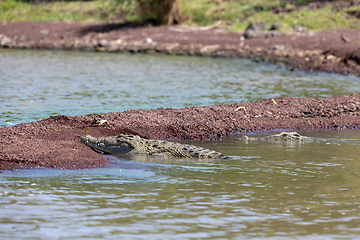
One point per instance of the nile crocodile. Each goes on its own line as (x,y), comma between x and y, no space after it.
(283,136)
(135,145)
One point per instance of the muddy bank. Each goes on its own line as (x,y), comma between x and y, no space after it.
(334,51)
(54,142)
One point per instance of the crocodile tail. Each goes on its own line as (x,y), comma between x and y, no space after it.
(199,152)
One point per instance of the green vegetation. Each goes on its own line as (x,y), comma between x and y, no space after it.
(238,14)
(235,14)
(82,11)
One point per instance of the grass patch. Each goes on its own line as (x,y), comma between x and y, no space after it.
(238,14)
(81,11)
(324,18)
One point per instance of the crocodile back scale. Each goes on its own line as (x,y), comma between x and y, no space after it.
(135,145)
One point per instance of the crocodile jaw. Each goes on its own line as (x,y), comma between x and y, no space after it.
(106,146)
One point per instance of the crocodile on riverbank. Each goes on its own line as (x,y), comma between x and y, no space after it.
(135,145)
(283,136)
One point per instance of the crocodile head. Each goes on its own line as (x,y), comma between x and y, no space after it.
(121,144)
(288,135)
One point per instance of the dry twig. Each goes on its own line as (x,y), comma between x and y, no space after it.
(243,108)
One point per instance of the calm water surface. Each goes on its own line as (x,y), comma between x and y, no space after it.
(37,84)
(268,191)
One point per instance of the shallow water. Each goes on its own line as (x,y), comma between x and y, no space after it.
(277,191)
(267,191)
(39,84)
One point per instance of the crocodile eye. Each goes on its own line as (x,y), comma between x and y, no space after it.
(124,144)
(185,148)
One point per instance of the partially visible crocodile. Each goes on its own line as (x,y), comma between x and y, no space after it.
(135,145)
(283,136)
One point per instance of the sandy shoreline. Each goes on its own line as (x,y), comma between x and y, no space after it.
(324,51)
(54,142)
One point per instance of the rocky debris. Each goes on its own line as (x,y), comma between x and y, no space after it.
(274,27)
(355,13)
(254,29)
(344,38)
(5,42)
(299,28)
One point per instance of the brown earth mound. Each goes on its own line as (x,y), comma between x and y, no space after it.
(335,51)
(54,142)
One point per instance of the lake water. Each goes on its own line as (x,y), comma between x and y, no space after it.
(282,190)
(38,84)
